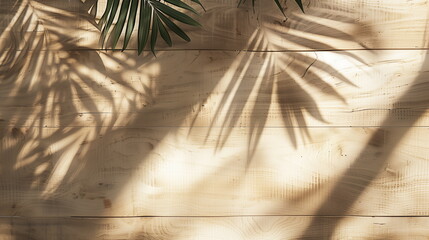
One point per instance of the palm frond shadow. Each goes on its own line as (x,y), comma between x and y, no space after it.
(266,73)
(49,85)
(61,102)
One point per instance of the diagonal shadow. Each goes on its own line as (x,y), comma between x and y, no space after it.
(387,137)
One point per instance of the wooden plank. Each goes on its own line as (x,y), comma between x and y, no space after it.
(278,227)
(216,89)
(327,24)
(203,172)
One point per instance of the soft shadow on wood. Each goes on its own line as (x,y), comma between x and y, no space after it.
(386,139)
(84,102)
(274,75)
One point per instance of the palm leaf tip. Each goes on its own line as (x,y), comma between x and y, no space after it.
(131,22)
(118,29)
(173,13)
(144,25)
(199,3)
(299,2)
(181,4)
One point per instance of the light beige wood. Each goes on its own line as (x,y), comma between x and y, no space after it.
(325,114)
(327,25)
(215,89)
(182,172)
(230,228)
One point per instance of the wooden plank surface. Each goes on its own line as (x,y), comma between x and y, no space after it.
(216,89)
(232,228)
(327,24)
(324,114)
(178,172)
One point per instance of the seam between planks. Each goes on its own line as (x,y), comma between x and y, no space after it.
(227,127)
(223,216)
(238,50)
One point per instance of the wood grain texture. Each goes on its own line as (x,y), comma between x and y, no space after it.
(322,117)
(178,172)
(216,89)
(327,24)
(233,228)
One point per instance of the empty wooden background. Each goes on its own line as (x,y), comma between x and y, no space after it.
(310,127)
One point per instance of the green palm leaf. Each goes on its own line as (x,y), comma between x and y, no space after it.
(173,27)
(299,2)
(144,25)
(199,3)
(171,12)
(163,32)
(105,14)
(117,30)
(154,33)
(280,7)
(111,12)
(131,23)
(181,4)
(156,16)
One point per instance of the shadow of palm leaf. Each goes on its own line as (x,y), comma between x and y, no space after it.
(60,102)
(9,14)
(267,74)
(51,83)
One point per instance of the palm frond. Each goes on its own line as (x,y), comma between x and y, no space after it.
(156,17)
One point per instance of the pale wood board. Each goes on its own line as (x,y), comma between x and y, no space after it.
(239,171)
(216,89)
(206,228)
(322,117)
(327,24)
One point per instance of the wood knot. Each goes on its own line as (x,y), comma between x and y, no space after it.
(107,203)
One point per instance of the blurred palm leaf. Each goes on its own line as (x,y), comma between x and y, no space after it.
(155,17)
